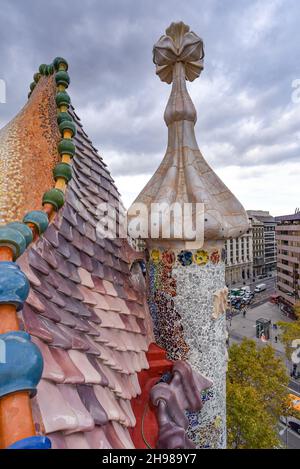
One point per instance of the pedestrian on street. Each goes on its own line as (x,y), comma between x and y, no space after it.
(276,339)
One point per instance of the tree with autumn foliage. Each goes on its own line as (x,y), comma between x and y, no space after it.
(256,396)
(289,331)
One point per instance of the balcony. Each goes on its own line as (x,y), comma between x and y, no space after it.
(288,278)
(294,238)
(285,287)
(287,258)
(280,228)
(289,268)
(287,247)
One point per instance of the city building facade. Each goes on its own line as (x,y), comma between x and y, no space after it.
(239,259)
(288,259)
(269,238)
(258,245)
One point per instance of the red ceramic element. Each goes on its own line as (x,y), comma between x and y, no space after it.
(145,433)
(168,258)
(215,257)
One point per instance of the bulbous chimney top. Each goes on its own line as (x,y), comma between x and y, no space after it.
(184,178)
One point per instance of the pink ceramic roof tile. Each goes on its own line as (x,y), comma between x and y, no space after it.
(113,437)
(117,338)
(129,391)
(78,310)
(101,302)
(98,285)
(144,361)
(26,268)
(128,339)
(109,288)
(127,388)
(106,356)
(130,323)
(109,337)
(109,402)
(136,309)
(78,342)
(85,277)
(93,346)
(142,342)
(91,375)
(51,371)
(56,413)
(104,336)
(110,319)
(58,440)
(84,419)
(71,372)
(77,441)
(114,378)
(97,438)
(130,292)
(33,301)
(113,305)
(120,357)
(126,407)
(88,296)
(135,383)
(123,435)
(103,370)
(35,326)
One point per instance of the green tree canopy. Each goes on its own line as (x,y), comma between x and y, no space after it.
(289,332)
(256,396)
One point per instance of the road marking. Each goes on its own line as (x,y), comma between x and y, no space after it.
(294,392)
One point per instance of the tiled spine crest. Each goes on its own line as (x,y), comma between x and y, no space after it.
(21,361)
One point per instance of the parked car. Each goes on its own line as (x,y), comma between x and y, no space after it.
(246,301)
(246,289)
(260,287)
(294,424)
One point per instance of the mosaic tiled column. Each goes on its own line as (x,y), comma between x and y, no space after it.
(186,273)
(187,299)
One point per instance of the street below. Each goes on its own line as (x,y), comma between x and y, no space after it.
(241,326)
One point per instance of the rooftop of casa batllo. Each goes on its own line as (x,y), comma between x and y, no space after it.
(104,345)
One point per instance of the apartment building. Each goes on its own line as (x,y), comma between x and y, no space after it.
(239,259)
(258,245)
(269,224)
(288,258)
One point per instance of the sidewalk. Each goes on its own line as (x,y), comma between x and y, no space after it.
(246,327)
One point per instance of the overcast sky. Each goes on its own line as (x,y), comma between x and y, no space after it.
(248,127)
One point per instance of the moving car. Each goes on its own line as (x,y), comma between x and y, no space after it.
(295,402)
(260,287)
